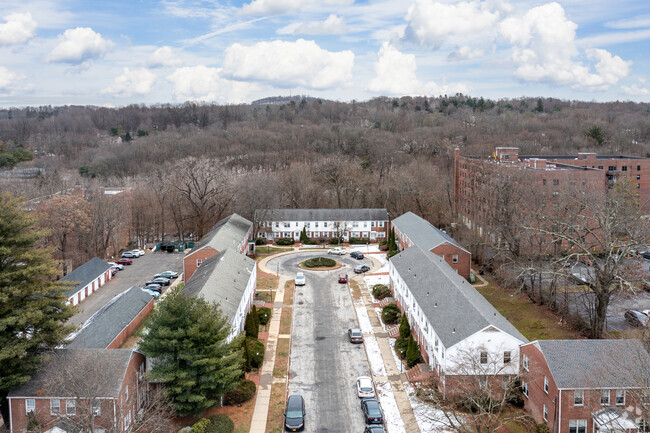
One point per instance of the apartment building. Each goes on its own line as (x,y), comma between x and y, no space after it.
(371,224)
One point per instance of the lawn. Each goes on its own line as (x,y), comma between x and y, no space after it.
(535,322)
(266,281)
(265,250)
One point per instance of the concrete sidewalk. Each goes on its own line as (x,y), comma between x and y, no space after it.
(393,374)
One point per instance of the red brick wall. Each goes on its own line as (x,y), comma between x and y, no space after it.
(464,258)
(131,327)
(537,398)
(189,261)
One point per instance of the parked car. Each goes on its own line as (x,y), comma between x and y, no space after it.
(154,287)
(365,388)
(117,265)
(357,255)
(300,279)
(294,413)
(637,319)
(128,255)
(136,253)
(343,278)
(124,261)
(646,255)
(113,271)
(154,293)
(359,269)
(337,250)
(355,335)
(372,411)
(374,429)
(139,252)
(160,280)
(167,274)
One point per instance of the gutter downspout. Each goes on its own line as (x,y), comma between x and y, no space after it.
(11,417)
(559,420)
(115,416)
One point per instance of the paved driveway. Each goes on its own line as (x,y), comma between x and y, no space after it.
(324,365)
(142,269)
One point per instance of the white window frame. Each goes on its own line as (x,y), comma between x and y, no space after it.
(578,397)
(546,384)
(71,407)
(126,393)
(483,355)
(97,408)
(355,224)
(199,262)
(525,361)
(604,397)
(507,357)
(545,413)
(55,406)
(30,405)
(620,393)
(579,425)
(372,223)
(524,388)
(454,258)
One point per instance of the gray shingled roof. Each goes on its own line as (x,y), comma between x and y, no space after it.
(422,232)
(104,368)
(229,232)
(85,273)
(321,215)
(453,307)
(596,363)
(222,279)
(106,324)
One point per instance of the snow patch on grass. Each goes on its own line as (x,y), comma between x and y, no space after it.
(392,417)
(364,320)
(374,356)
(429,419)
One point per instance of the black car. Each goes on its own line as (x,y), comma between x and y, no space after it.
(294,413)
(374,429)
(372,411)
(646,255)
(160,281)
(154,287)
(360,269)
(357,255)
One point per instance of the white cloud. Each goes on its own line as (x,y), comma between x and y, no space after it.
(465,53)
(333,25)
(544,47)
(638,21)
(289,64)
(18,29)
(163,56)
(131,82)
(432,23)
(395,75)
(201,83)
(78,45)
(8,79)
(278,7)
(635,90)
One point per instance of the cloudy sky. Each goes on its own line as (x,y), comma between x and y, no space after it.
(119,52)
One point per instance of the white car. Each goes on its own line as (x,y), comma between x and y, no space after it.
(116,265)
(365,388)
(337,250)
(300,279)
(139,252)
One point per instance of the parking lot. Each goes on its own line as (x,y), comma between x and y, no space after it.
(142,269)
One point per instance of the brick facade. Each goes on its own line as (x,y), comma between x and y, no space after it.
(131,327)
(193,260)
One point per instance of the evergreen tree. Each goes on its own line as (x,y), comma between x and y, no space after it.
(187,337)
(540,106)
(412,353)
(303,236)
(404,327)
(33,308)
(250,325)
(256,318)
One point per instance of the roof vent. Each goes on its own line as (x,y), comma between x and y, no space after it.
(427,293)
(454,331)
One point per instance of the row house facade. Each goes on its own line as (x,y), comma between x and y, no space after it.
(410,229)
(87,279)
(79,388)
(371,224)
(232,232)
(587,386)
(459,332)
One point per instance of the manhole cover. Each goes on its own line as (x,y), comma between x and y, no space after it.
(320,338)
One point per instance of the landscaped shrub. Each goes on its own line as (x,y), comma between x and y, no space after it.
(255,350)
(541,428)
(260,241)
(401,345)
(220,424)
(380,291)
(319,262)
(335,241)
(250,325)
(412,353)
(242,393)
(404,327)
(200,426)
(384,246)
(390,253)
(360,240)
(285,241)
(264,314)
(390,314)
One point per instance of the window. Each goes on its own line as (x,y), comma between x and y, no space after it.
(506,357)
(372,223)
(546,384)
(612,168)
(543,181)
(624,168)
(638,168)
(454,258)
(70,407)
(604,397)
(30,405)
(316,224)
(600,167)
(381,223)
(620,396)
(525,362)
(556,182)
(55,406)
(638,177)
(577,426)
(355,224)
(325,224)
(198,262)
(288,224)
(484,357)
(578,397)
(277,224)
(365,224)
(127,420)
(307,225)
(126,393)
(97,408)
(483,382)
(524,388)
(545,413)
(644,426)
(296,223)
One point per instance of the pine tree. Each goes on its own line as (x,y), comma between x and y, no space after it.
(33,308)
(303,236)
(250,325)
(187,337)
(404,327)
(412,353)
(256,318)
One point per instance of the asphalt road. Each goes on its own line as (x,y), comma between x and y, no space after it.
(324,364)
(142,269)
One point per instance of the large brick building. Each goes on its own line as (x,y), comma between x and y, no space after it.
(586,386)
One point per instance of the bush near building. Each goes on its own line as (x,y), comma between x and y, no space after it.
(390,314)
(380,291)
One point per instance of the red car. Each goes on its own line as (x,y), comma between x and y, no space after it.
(343,278)
(124,261)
